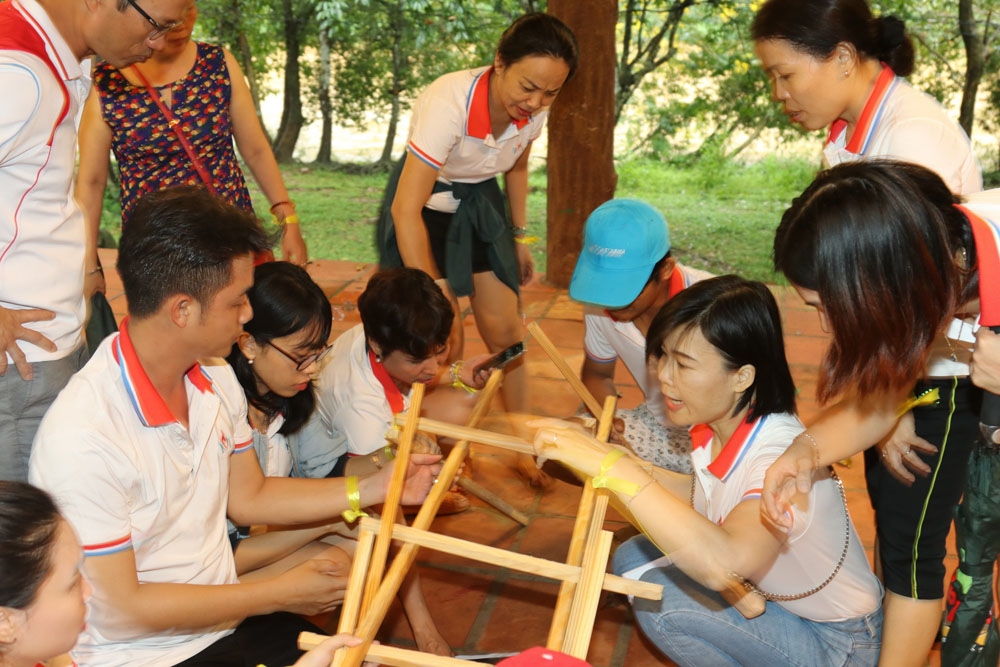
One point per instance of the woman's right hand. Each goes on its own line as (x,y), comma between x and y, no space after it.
(791,474)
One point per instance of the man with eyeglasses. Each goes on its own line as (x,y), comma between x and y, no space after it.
(48,270)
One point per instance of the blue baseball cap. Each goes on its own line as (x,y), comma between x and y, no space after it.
(623,239)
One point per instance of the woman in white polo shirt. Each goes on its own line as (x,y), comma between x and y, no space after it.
(443,210)
(722,365)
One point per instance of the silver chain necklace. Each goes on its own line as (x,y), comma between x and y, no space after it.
(778,597)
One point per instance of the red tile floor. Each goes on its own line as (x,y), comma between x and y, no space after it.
(483,608)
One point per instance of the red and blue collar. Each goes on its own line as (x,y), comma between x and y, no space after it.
(871,114)
(735,449)
(150,407)
(477,106)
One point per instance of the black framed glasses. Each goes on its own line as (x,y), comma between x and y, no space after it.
(304,362)
(158,28)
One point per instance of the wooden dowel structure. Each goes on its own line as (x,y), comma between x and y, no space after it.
(459,432)
(380,598)
(493,499)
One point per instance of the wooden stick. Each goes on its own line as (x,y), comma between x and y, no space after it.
(356,581)
(526,563)
(458,432)
(589,518)
(588,593)
(390,655)
(567,372)
(493,499)
(375,612)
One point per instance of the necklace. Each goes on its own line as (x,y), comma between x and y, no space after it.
(778,597)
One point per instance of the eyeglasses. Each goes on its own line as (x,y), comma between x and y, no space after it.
(158,28)
(305,362)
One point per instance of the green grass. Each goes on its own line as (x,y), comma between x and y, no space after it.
(722,215)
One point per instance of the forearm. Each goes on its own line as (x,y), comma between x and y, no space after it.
(414,243)
(291,501)
(600,386)
(516,181)
(152,608)
(850,426)
(704,550)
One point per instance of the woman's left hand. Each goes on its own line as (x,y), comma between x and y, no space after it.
(898,451)
(293,246)
(525,263)
(569,444)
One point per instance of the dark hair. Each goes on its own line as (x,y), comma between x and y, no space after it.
(28,524)
(285,300)
(538,34)
(740,318)
(876,239)
(182,241)
(817,26)
(402,309)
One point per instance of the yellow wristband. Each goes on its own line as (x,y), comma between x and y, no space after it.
(602,481)
(292,219)
(456,380)
(354,500)
(527,240)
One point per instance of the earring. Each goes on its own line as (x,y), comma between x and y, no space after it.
(250,361)
(378,358)
(844,74)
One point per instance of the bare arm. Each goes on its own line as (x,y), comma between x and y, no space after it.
(256,499)
(841,430)
(517,195)
(137,609)
(599,378)
(256,151)
(707,552)
(91,181)
(414,189)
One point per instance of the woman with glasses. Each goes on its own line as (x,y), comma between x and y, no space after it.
(172,121)
(275,360)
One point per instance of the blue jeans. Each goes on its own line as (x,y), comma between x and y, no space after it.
(23,403)
(695,626)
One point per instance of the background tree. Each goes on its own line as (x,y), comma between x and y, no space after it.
(581,167)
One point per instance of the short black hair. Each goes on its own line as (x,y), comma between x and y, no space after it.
(183,240)
(740,318)
(402,309)
(538,34)
(29,521)
(817,26)
(285,300)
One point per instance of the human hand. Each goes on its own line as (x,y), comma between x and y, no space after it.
(421,474)
(12,329)
(293,246)
(322,655)
(789,475)
(313,587)
(468,375)
(570,444)
(899,451)
(525,263)
(984,371)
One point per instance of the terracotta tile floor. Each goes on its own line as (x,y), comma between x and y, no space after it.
(484,608)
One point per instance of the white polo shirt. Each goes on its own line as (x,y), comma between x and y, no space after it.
(350,399)
(450,130)
(606,340)
(903,123)
(128,475)
(42,235)
(816,540)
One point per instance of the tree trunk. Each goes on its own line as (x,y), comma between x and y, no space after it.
(325,154)
(398,64)
(581,134)
(291,113)
(975,64)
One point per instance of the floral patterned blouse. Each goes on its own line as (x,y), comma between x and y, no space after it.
(149,154)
